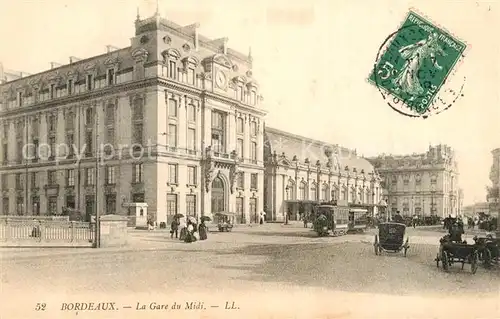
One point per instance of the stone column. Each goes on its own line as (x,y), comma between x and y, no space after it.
(182,126)
(231,132)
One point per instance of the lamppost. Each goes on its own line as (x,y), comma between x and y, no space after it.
(287,189)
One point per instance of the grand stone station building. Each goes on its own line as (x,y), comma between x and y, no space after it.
(179,116)
(301,172)
(423,184)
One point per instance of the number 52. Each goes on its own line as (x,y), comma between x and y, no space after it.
(40,307)
(386,70)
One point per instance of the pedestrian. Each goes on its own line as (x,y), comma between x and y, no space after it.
(415,219)
(174,228)
(203,230)
(398,218)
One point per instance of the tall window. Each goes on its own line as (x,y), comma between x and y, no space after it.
(302,191)
(88,143)
(344,193)
(110,114)
(171,204)
(218,131)
(110,203)
(191,113)
(334,193)
(253,151)
(52,177)
(111,76)
(138,114)
(191,205)
(361,196)
(324,192)
(70,177)
(89,176)
(172,173)
(239,125)
(241,180)
(19,181)
(5,206)
(190,75)
(253,128)
(239,147)
(239,209)
(314,192)
(70,87)
(353,194)
(52,143)
(138,173)
(172,108)
(191,142)
(52,205)
(172,69)
(19,205)
(172,135)
(253,209)
(254,181)
(89,116)
(90,82)
(52,122)
(110,175)
(34,179)
(192,175)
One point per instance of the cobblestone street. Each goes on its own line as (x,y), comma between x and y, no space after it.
(257,260)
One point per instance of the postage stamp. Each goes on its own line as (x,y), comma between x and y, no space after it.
(414,63)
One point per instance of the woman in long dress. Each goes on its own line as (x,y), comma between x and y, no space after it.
(415,54)
(203,230)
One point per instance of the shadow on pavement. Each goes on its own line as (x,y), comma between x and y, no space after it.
(354,267)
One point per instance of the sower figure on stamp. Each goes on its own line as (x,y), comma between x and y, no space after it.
(415,54)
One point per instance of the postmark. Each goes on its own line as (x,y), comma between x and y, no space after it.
(413,65)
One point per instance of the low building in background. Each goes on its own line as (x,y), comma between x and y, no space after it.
(301,172)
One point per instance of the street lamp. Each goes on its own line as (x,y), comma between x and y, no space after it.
(287,189)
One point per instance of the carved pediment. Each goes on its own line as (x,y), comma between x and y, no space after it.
(239,79)
(112,61)
(222,60)
(140,55)
(171,54)
(90,67)
(190,60)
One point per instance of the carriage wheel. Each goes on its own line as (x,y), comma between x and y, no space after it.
(473,264)
(445,261)
(375,245)
(437,260)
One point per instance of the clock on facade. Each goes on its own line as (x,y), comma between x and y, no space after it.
(220,79)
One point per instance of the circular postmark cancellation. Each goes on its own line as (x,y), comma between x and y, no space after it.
(414,66)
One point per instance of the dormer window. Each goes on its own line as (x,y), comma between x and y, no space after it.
(70,87)
(90,84)
(172,69)
(20,98)
(190,75)
(111,77)
(253,98)
(52,91)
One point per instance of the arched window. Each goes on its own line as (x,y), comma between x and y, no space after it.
(314,191)
(361,196)
(353,195)
(324,192)
(302,191)
(218,199)
(344,193)
(290,190)
(335,192)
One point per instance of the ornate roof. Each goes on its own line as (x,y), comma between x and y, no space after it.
(288,146)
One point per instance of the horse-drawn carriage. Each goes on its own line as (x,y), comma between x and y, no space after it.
(331,218)
(390,238)
(453,249)
(488,249)
(225,221)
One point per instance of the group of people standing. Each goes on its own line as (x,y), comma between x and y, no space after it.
(190,231)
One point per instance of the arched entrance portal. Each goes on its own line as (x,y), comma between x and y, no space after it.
(218,200)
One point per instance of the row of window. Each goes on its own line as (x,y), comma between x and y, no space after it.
(110,175)
(89,177)
(363,196)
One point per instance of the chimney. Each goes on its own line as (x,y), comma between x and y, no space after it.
(73,59)
(224,45)
(196,36)
(54,65)
(111,48)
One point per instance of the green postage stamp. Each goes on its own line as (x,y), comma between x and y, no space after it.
(414,63)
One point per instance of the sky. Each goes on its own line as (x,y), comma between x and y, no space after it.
(311,59)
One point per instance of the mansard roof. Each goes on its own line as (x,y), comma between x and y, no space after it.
(288,146)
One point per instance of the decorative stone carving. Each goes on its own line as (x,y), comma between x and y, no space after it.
(208,168)
(167,40)
(235,68)
(140,55)
(249,73)
(186,47)
(90,67)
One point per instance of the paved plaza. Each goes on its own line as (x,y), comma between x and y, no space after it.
(250,266)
